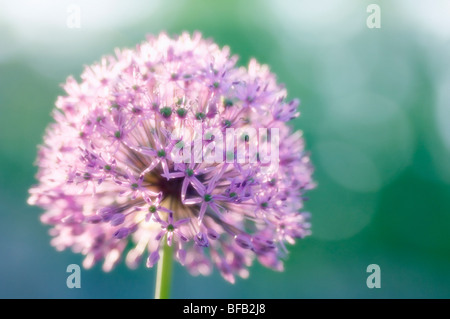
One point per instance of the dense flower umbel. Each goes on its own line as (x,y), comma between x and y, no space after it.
(108,178)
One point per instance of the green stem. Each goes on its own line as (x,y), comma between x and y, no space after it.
(164,272)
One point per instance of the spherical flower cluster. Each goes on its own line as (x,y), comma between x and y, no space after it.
(111,180)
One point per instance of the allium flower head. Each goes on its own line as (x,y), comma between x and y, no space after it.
(140,156)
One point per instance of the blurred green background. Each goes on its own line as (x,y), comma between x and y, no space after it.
(375,114)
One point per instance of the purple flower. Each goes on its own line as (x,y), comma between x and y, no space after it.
(109,177)
(171,228)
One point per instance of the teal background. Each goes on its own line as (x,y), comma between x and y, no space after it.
(375,114)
